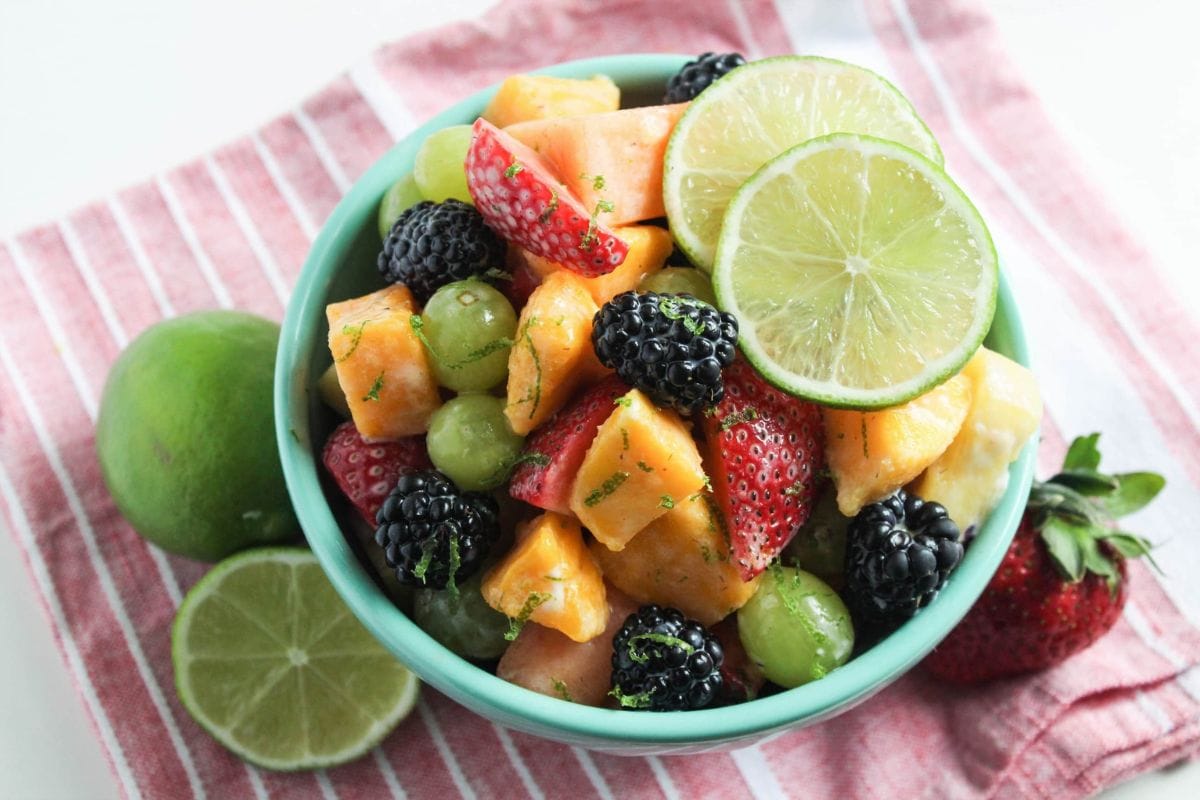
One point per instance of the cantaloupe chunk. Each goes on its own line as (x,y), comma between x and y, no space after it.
(642,462)
(873,453)
(1006,409)
(612,158)
(549,577)
(521,98)
(680,560)
(553,353)
(381,365)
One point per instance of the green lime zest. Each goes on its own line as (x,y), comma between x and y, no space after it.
(513,169)
(560,689)
(610,485)
(666,501)
(515,624)
(672,307)
(373,394)
(644,467)
(550,208)
(625,401)
(496,345)
(355,332)
(640,700)
(639,654)
(747,414)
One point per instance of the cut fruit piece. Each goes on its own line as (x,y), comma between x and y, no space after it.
(1006,410)
(755,113)
(269,660)
(873,453)
(860,274)
(642,461)
(381,364)
(553,352)
(366,472)
(331,392)
(680,560)
(549,577)
(521,98)
(612,158)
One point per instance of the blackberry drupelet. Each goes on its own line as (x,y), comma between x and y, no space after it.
(665,662)
(698,75)
(432,244)
(433,534)
(899,553)
(671,346)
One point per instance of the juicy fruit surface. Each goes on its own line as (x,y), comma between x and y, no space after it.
(471,442)
(757,112)
(367,471)
(765,453)
(642,462)
(681,280)
(401,196)
(608,158)
(469,326)
(438,166)
(663,661)
(521,98)
(873,453)
(550,578)
(381,364)
(518,196)
(205,483)
(860,273)
(1006,409)
(269,660)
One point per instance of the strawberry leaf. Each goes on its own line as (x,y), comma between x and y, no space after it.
(1083,453)
(1064,543)
(1087,482)
(1134,491)
(1127,544)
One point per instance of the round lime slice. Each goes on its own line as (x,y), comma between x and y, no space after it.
(860,274)
(755,113)
(270,661)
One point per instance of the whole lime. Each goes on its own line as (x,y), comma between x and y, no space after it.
(186,440)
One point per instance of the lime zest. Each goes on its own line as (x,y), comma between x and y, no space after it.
(373,394)
(625,401)
(355,332)
(515,624)
(639,655)
(666,501)
(644,467)
(560,688)
(513,169)
(496,345)
(550,208)
(747,414)
(610,485)
(640,700)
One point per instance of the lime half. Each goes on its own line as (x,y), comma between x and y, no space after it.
(860,274)
(270,661)
(755,113)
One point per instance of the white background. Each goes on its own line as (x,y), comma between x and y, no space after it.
(97,95)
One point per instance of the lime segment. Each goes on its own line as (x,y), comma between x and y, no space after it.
(755,113)
(270,661)
(860,274)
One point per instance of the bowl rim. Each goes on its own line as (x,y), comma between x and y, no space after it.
(480,689)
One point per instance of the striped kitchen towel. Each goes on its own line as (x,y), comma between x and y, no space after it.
(231,229)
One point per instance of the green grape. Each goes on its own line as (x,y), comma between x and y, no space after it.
(470,441)
(402,196)
(819,546)
(468,328)
(438,168)
(681,280)
(795,627)
(462,621)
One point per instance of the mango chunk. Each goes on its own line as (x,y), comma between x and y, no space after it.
(521,98)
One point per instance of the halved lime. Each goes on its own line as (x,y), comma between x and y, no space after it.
(860,274)
(755,113)
(270,661)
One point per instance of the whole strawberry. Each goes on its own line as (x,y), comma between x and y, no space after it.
(1061,584)
(367,471)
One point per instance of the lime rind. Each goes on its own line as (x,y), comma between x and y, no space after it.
(832,393)
(892,117)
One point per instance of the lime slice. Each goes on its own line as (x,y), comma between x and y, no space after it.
(269,660)
(860,274)
(755,113)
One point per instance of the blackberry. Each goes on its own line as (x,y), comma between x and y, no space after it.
(665,662)
(432,535)
(899,553)
(671,346)
(432,244)
(698,75)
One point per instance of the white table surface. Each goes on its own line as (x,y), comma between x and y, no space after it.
(97,95)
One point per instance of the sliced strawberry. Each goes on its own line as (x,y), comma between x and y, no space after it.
(524,279)
(521,200)
(564,440)
(367,471)
(764,453)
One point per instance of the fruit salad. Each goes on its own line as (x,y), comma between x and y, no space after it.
(668,407)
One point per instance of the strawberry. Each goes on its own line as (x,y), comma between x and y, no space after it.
(367,471)
(764,456)
(521,200)
(554,451)
(524,280)
(1061,584)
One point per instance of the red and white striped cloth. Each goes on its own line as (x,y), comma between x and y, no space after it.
(231,229)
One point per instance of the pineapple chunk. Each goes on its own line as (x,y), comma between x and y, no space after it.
(1006,409)
(526,97)
(680,560)
(642,461)
(381,365)
(873,453)
(549,577)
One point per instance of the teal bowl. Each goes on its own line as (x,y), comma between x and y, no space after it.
(342,265)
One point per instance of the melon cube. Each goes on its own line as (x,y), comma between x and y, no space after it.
(381,365)
(528,97)
(642,462)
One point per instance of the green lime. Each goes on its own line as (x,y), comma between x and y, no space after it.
(755,113)
(269,660)
(186,435)
(860,274)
